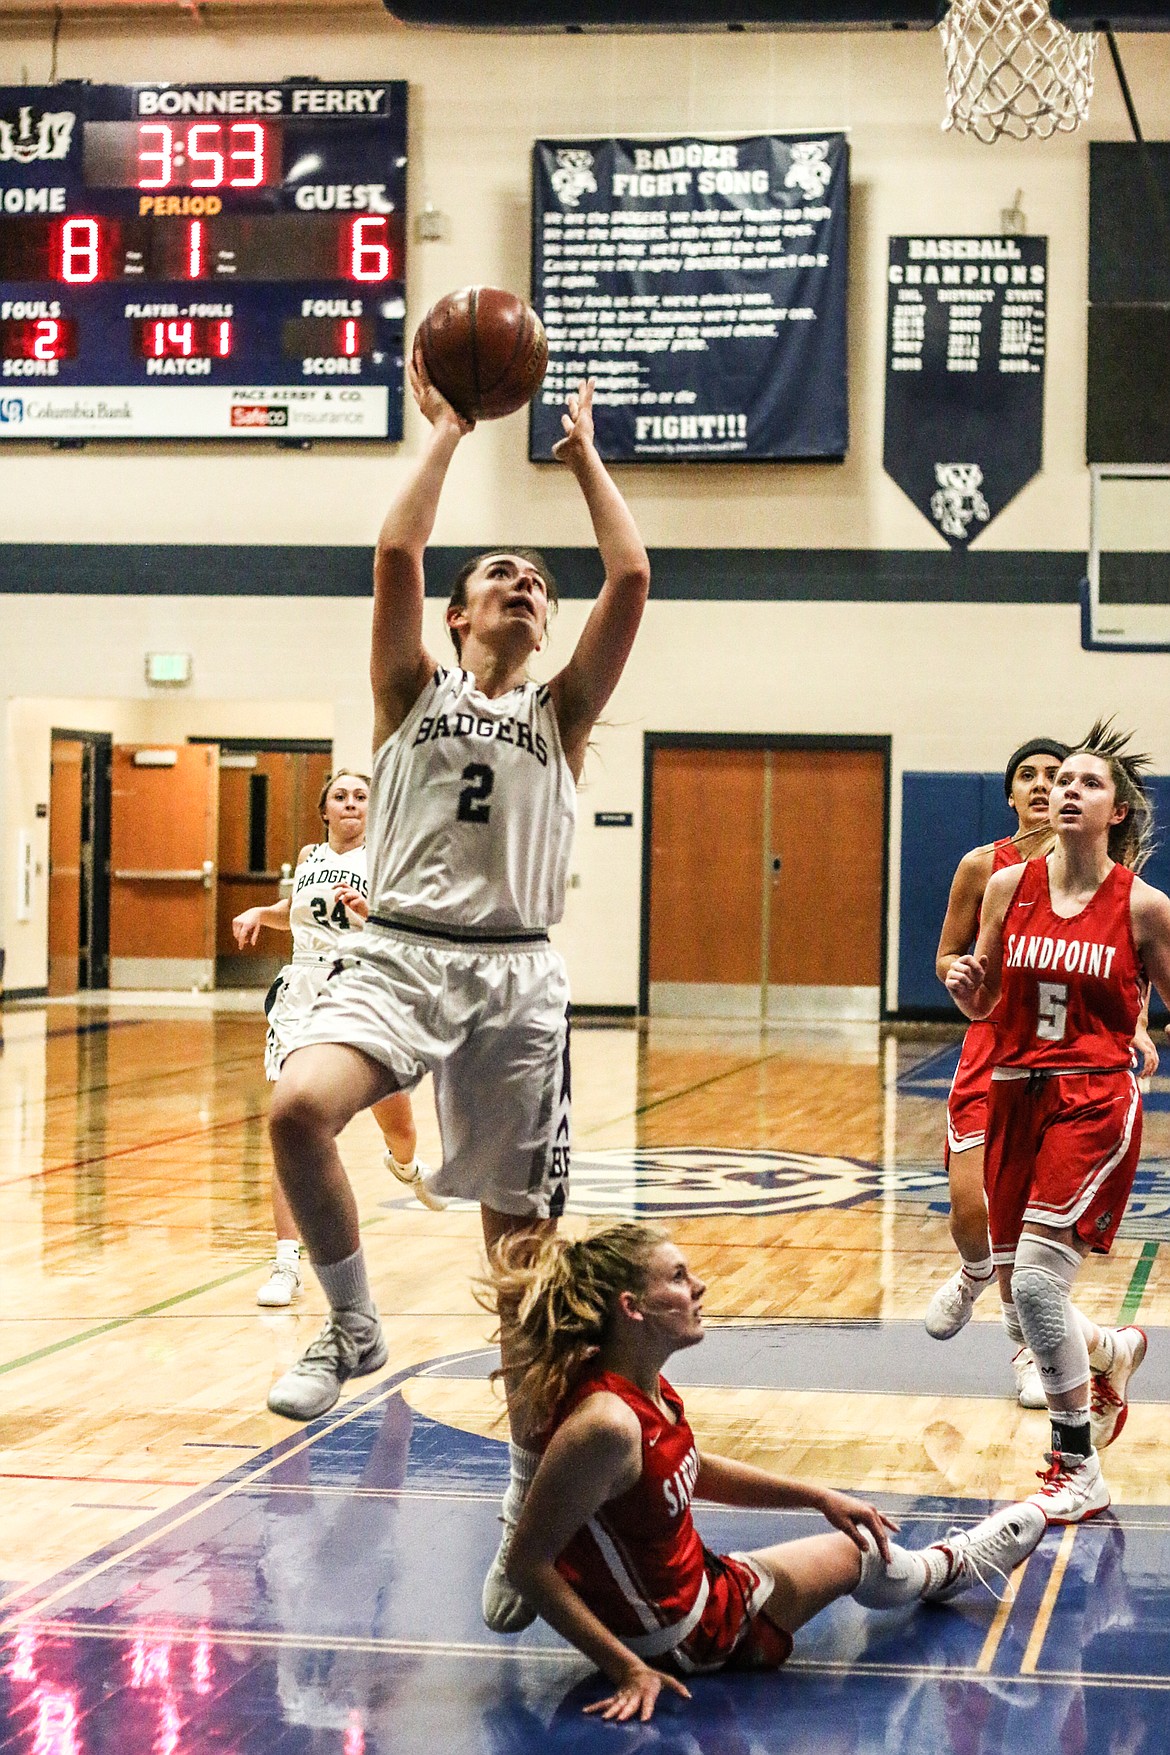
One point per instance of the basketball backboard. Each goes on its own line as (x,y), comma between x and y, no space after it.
(1125,603)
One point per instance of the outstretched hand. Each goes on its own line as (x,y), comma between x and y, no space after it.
(578,425)
(637,1696)
(433,405)
(246,927)
(851,1516)
(1146,1051)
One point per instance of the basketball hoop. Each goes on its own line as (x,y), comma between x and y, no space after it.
(1012,69)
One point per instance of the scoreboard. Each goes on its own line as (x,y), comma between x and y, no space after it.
(202,261)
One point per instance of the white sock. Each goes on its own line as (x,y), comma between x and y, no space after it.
(1101,1356)
(909,1573)
(523,1464)
(1011,1322)
(288,1249)
(979,1274)
(346,1285)
(405,1170)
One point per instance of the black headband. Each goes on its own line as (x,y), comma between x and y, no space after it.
(1036,746)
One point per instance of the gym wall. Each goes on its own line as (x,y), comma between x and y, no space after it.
(955,683)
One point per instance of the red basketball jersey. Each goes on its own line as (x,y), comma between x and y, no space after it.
(977,1056)
(1071,988)
(638,1563)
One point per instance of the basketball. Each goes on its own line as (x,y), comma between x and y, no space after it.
(484,349)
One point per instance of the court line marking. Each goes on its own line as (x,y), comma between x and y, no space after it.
(203,1131)
(149,1310)
(281,1453)
(1136,1290)
(1000,1620)
(111,1632)
(1048,1602)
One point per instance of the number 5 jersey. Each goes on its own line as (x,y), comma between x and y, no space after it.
(1071,989)
(472,812)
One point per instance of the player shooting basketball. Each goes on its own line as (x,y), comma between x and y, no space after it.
(472,810)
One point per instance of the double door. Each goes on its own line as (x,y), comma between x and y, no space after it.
(766,879)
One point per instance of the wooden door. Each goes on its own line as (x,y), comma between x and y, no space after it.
(267,813)
(65,865)
(786,923)
(164,820)
(706,882)
(826,882)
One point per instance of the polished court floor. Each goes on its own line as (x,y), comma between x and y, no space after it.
(181,1571)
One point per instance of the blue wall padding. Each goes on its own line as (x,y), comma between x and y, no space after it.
(943,817)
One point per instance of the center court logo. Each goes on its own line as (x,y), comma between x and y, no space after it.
(685,1182)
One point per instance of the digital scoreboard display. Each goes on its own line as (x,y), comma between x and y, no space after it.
(202,261)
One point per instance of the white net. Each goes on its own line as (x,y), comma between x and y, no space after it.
(1012,69)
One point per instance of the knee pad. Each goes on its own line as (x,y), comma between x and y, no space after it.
(1041,1282)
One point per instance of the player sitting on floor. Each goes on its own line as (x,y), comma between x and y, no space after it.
(605,1547)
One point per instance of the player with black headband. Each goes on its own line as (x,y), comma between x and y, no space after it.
(1027,782)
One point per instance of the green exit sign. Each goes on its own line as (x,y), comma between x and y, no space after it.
(171,670)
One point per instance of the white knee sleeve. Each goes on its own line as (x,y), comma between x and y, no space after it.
(1041,1282)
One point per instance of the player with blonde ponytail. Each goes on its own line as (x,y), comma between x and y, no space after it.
(605,1548)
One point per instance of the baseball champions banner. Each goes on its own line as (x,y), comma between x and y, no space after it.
(702,284)
(965,345)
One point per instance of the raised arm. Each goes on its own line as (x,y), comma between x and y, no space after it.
(594,1456)
(963,904)
(399,663)
(974,982)
(581,689)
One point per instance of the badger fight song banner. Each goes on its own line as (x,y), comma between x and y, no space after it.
(702,283)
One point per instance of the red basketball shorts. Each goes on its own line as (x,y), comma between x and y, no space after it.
(731,1632)
(967,1099)
(1061,1152)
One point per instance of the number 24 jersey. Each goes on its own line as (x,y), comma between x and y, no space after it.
(320,923)
(1071,989)
(472,811)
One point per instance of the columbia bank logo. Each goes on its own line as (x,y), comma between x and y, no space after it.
(11,410)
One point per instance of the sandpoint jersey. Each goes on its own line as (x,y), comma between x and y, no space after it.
(638,1562)
(1071,989)
(319,922)
(472,811)
(977,1055)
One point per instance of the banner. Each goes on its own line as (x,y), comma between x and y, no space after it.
(965,349)
(702,283)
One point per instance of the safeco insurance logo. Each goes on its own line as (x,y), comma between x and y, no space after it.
(11,410)
(258,414)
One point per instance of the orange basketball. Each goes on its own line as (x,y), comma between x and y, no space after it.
(485,349)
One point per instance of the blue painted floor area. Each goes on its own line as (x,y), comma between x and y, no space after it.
(932,1075)
(324,1597)
(871,1358)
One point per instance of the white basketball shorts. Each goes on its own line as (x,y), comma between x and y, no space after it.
(491,1023)
(289,1004)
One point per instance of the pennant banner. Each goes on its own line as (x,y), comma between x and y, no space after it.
(965,342)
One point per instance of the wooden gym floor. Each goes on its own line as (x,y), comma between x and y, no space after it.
(181,1570)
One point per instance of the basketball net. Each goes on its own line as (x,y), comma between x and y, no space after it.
(1012,69)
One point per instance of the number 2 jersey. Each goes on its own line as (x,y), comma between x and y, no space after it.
(472,812)
(1071,989)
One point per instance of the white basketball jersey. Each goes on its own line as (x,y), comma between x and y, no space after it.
(472,811)
(319,922)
